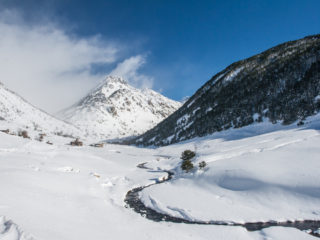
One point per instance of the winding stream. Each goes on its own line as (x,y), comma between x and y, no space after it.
(133,201)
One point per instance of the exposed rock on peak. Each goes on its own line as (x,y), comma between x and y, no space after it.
(115,109)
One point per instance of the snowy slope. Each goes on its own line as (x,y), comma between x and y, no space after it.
(281,84)
(114,109)
(59,192)
(250,177)
(16,113)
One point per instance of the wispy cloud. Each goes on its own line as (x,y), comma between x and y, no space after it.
(51,68)
(129,69)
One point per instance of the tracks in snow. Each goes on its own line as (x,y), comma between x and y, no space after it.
(10,230)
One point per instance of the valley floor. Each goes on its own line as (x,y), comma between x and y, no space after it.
(61,192)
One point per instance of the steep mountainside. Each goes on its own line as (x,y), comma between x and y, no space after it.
(281,84)
(17,114)
(115,109)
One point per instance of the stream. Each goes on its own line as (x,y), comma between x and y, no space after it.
(133,201)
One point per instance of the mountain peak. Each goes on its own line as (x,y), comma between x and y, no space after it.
(109,80)
(115,109)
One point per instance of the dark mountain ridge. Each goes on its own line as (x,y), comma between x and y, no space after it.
(281,84)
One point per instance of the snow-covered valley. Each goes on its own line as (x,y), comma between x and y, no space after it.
(258,173)
(159,120)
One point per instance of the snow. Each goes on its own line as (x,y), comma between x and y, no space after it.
(195,110)
(217,78)
(230,76)
(257,173)
(188,125)
(280,233)
(19,115)
(53,204)
(256,116)
(247,179)
(170,138)
(11,231)
(189,104)
(184,118)
(209,109)
(114,109)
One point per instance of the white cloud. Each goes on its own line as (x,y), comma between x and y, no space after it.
(129,70)
(44,64)
(52,68)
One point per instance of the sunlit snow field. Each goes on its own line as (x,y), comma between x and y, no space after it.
(258,173)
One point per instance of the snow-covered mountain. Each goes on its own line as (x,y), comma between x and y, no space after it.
(115,109)
(17,114)
(281,84)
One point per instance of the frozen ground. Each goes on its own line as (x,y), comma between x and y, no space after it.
(60,192)
(268,177)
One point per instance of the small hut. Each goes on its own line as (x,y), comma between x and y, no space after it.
(76,142)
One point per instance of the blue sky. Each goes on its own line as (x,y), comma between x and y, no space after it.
(183,43)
